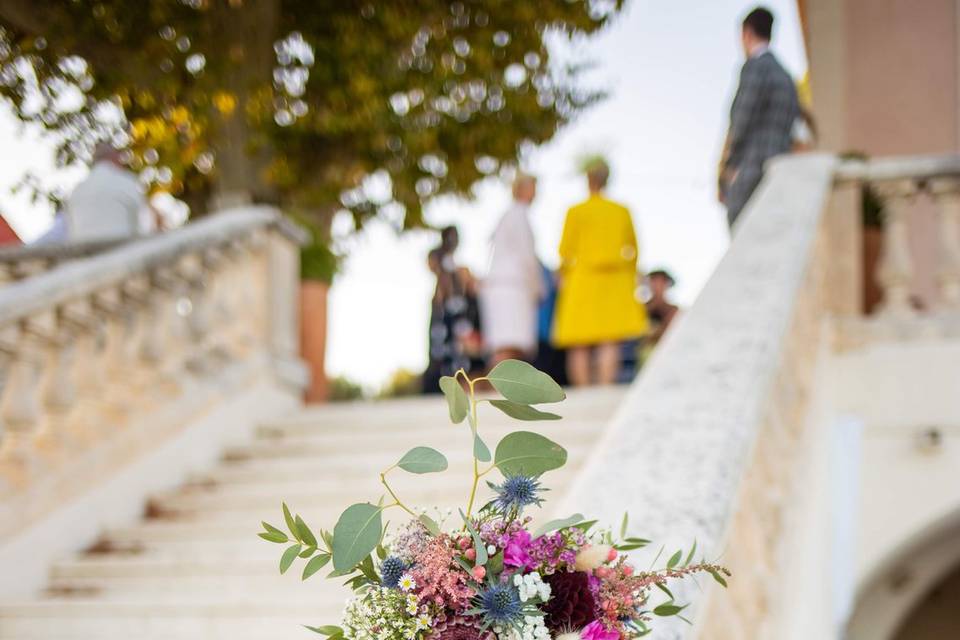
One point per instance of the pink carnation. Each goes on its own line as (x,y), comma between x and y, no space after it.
(596,631)
(517,554)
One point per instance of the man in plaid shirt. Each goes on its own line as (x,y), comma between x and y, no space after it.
(762,116)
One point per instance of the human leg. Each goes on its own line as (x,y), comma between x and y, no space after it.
(578,366)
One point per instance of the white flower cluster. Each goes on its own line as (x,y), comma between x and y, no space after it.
(533,629)
(385,614)
(531,587)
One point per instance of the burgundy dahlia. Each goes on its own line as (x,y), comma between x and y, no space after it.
(571,604)
(458,628)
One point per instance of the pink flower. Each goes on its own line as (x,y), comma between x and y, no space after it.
(516,553)
(596,631)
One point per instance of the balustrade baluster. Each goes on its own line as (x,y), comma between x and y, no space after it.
(947,194)
(21,409)
(895,272)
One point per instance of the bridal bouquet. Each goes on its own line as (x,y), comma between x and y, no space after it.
(491,575)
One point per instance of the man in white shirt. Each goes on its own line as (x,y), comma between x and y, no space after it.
(514,284)
(109,204)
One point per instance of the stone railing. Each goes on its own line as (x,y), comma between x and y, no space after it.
(19,262)
(705,448)
(920,197)
(105,360)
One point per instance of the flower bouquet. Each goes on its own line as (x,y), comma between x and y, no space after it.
(491,575)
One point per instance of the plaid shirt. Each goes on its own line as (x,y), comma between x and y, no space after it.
(762,115)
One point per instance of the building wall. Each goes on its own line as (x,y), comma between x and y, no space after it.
(901,76)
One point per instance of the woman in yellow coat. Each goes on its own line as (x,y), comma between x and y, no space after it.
(597,309)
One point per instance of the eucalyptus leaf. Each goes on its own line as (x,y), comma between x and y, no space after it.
(528,453)
(430,524)
(561,523)
(316,563)
(305,534)
(330,630)
(291,523)
(480,450)
(356,534)
(520,411)
(456,399)
(423,460)
(523,383)
(271,536)
(289,556)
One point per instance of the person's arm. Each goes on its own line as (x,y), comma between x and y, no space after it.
(743,114)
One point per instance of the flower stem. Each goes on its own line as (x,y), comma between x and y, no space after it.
(397,503)
(473,431)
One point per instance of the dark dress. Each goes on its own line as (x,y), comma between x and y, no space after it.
(455,341)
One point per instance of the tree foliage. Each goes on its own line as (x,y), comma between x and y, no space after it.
(314,105)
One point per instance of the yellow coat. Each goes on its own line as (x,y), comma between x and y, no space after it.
(598,256)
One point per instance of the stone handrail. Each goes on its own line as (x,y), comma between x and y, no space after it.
(95,349)
(19,262)
(701,450)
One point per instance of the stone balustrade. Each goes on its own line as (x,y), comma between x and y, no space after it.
(24,261)
(906,186)
(103,358)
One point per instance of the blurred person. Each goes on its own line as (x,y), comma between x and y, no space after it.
(660,310)
(550,359)
(597,309)
(110,203)
(513,287)
(454,340)
(762,116)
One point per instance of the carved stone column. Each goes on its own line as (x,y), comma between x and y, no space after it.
(947,195)
(896,264)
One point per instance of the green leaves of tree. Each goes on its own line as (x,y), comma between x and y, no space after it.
(528,453)
(522,411)
(522,383)
(456,399)
(356,534)
(423,460)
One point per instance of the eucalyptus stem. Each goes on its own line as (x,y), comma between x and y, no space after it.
(397,503)
(473,430)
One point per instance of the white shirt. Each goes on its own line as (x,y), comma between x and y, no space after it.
(514,260)
(108,204)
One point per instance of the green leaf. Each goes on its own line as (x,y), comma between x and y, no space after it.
(522,411)
(561,523)
(456,399)
(477,541)
(289,556)
(480,450)
(307,552)
(674,559)
(316,563)
(668,609)
(693,550)
(521,382)
(430,524)
(272,534)
(422,460)
(356,534)
(623,525)
(663,588)
(716,576)
(291,523)
(528,453)
(305,534)
(330,630)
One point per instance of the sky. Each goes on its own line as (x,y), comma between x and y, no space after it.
(669,68)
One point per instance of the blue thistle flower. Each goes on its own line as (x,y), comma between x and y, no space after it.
(390,571)
(516,492)
(500,605)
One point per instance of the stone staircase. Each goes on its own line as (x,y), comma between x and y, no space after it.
(193,566)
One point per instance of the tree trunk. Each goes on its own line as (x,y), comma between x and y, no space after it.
(248,29)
